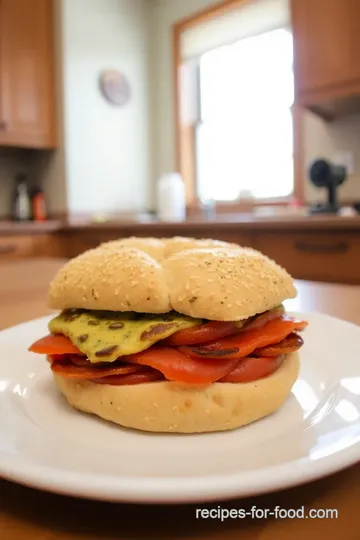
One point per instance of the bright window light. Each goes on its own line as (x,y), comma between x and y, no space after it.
(244,139)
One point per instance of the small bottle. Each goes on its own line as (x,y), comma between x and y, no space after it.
(22,203)
(38,205)
(171,204)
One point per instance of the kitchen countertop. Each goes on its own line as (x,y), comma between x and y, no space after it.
(230,222)
(8,227)
(150,225)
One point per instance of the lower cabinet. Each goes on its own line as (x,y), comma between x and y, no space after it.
(330,257)
(13,247)
(327,256)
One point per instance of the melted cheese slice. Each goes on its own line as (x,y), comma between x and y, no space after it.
(103,336)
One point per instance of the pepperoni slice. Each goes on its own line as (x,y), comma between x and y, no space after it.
(176,366)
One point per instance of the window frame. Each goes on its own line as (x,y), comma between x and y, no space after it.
(185,134)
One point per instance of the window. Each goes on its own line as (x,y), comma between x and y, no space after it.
(235,103)
(244,136)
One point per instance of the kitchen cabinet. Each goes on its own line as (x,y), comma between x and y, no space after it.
(27,93)
(322,248)
(82,241)
(326,55)
(329,257)
(16,247)
(22,246)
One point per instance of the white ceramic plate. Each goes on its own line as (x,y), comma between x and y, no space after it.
(46,444)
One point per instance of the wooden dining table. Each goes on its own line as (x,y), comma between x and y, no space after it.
(27,513)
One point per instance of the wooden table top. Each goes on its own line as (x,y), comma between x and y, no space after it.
(30,514)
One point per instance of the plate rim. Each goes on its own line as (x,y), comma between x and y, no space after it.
(175,490)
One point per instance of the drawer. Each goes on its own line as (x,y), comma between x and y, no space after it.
(13,247)
(49,245)
(242,239)
(80,242)
(332,257)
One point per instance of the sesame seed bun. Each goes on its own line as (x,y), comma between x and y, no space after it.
(218,284)
(225,285)
(178,408)
(152,246)
(127,279)
(178,244)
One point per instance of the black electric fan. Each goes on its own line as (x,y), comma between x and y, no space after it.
(322,173)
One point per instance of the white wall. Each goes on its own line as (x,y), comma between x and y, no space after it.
(106,147)
(320,139)
(12,162)
(165,13)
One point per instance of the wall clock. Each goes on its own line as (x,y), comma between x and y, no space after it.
(115,87)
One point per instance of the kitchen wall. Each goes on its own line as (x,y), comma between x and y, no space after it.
(107,158)
(13,161)
(42,169)
(323,139)
(320,139)
(165,13)
(112,156)
(103,163)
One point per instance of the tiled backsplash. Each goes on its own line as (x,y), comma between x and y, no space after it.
(42,169)
(12,162)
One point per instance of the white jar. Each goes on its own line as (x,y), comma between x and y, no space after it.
(170,191)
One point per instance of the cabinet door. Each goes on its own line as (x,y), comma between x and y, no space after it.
(26,73)
(326,42)
(327,256)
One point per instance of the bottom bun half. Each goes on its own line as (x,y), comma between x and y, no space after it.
(178,408)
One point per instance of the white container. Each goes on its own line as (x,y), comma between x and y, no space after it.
(22,203)
(170,191)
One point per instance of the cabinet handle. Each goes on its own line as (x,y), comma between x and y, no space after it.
(7,248)
(3,125)
(339,247)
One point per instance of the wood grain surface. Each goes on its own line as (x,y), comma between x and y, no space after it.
(27,514)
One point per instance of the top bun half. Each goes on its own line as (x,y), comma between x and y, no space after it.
(217,283)
(162,248)
(154,247)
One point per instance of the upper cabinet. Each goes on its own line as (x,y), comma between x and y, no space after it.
(327,55)
(27,89)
